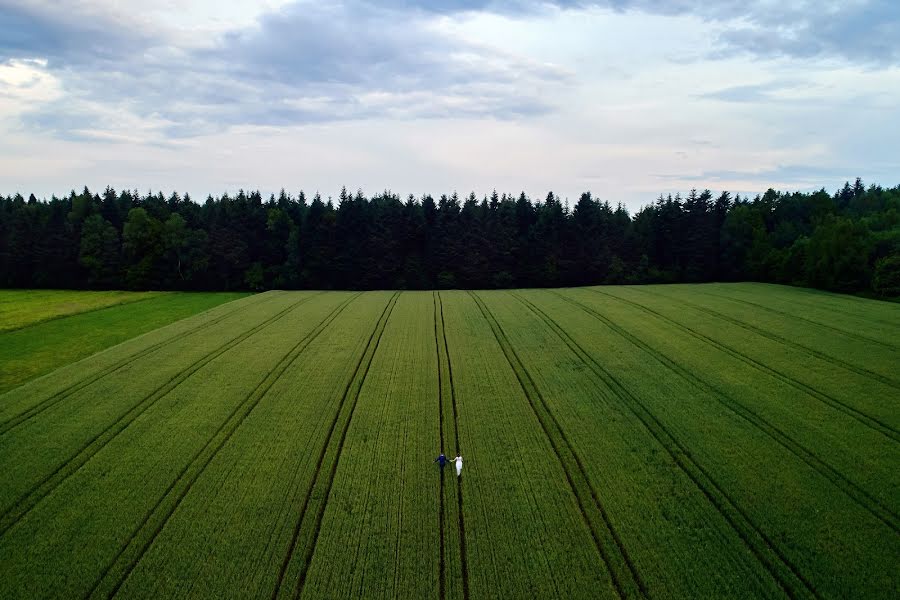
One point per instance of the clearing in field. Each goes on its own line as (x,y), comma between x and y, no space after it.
(717,440)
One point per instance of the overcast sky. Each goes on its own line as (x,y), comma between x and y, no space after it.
(625,98)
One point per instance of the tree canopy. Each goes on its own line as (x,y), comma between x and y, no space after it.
(848,241)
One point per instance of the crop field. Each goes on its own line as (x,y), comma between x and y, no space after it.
(20,308)
(42,330)
(714,441)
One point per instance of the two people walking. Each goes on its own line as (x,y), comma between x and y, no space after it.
(442,461)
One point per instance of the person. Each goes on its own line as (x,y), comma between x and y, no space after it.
(441,460)
(458,462)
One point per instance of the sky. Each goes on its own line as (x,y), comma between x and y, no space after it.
(627,99)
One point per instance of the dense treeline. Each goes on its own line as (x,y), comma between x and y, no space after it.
(848,241)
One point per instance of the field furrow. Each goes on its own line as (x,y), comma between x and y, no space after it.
(301,552)
(231,533)
(130,555)
(625,578)
(779,496)
(21,405)
(858,453)
(90,447)
(777,433)
(681,441)
(876,411)
(776,333)
(512,475)
(870,321)
(456,569)
(381,528)
(79,529)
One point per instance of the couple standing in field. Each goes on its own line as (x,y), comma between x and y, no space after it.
(442,460)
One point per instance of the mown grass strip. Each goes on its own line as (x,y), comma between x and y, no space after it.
(320,480)
(856,493)
(779,339)
(788,577)
(459,497)
(112,579)
(64,393)
(43,303)
(626,579)
(848,410)
(96,443)
(775,311)
(27,354)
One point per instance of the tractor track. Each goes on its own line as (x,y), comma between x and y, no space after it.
(442,583)
(782,571)
(464,562)
(781,340)
(627,581)
(836,404)
(368,351)
(850,334)
(863,498)
(815,299)
(200,462)
(43,488)
(61,395)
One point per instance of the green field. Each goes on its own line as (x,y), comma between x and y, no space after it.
(21,308)
(714,441)
(36,336)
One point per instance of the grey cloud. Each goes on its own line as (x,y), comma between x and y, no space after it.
(866,31)
(66,37)
(308,62)
(316,61)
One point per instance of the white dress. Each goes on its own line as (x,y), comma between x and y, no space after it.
(458,462)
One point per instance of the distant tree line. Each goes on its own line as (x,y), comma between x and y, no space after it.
(848,241)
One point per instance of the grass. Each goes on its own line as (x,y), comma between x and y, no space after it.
(659,441)
(21,308)
(39,347)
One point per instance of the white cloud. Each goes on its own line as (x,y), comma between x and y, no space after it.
(626,99)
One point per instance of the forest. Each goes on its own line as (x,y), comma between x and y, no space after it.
(846,241)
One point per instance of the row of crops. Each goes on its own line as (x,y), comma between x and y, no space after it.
(658,441)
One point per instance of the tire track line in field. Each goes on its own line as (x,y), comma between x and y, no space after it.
(781,340)
(815,297)
(61,395)
(627,581)
(783,572)
(863,498)
(831,401)
(442,583)
(464,561)
(850,334)
(353,388)
(43,488)
(198,463)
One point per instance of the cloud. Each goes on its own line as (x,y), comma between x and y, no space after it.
(859,31)
(86,34)
(756,93)
(315,62)
(307,62)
